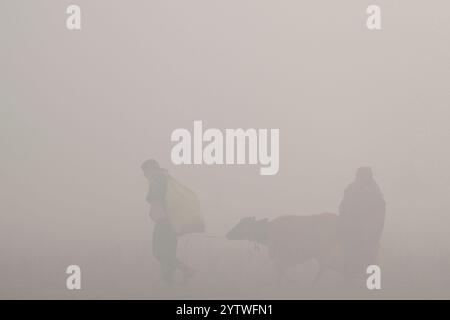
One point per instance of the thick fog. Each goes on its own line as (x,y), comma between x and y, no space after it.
(82,110)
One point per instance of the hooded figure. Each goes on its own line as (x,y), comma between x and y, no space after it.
(361,221)
(165,238)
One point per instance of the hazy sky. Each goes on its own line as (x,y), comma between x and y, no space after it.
(81,110)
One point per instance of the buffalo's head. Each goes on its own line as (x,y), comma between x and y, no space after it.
(248,229)
(242,229)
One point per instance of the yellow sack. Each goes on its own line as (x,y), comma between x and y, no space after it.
(183,208)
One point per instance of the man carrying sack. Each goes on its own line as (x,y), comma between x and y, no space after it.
(175,209)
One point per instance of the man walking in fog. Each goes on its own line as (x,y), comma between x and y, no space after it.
(361,221)
(165,237)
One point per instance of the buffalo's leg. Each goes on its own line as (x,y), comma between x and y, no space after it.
(281,271)
(319,274)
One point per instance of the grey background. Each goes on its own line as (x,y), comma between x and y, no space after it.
(80,111)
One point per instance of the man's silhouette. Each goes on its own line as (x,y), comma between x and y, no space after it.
(165,238)
(361,221)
